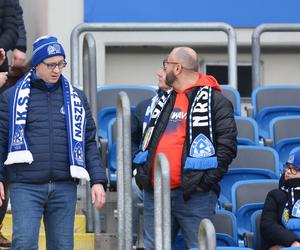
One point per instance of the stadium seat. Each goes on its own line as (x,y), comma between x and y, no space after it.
(251,163)
(255,226)
(234,96)
(285,135)
(247,131)
(248,197)
(107,97)
(270,102)
(226,228)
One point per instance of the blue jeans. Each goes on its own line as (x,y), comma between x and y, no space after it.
(54,201)
(185,215)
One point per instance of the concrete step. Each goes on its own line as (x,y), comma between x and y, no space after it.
(79,226)
(82,241)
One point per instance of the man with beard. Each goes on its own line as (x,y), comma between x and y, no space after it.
(193,125)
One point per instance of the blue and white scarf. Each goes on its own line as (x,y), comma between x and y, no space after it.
(201,150)
(18,149)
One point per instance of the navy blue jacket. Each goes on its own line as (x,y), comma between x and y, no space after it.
(47,137)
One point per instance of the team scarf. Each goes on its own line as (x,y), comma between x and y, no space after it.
(200,134)
(18,148)
(291,213)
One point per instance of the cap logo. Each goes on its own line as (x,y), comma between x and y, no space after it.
(53,49)
(291,159)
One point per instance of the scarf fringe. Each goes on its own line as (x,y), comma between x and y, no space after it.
(79,172)
(23,156)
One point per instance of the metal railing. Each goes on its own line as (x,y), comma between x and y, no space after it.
(124,173)
(85,27)
(90,77)
(256,52)
(162,203)
(207,235)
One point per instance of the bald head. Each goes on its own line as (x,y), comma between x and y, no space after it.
(185,56)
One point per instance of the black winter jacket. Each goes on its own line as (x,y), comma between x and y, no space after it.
(8,28)
(272,230)
(47,137)
(21,43)
(225,143)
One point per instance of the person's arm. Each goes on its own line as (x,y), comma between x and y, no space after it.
(272,231)
(18,54)
(137,120)
(225,140)
(9,34)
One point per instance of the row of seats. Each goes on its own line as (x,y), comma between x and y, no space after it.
(283,131)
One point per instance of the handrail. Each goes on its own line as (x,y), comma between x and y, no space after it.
(124,172)
(207,235)
(162,203)
(256,52)
(90,77)
(84,27)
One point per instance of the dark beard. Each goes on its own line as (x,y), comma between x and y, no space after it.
(170,79)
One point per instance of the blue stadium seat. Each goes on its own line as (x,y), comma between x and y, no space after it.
(270,102)
(226,228)
(251,163)
(248,197)
(106,101)
(247,131)
(255,228)
(234,96)
(285,135)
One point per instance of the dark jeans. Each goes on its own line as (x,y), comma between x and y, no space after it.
(55,202)
(185,215)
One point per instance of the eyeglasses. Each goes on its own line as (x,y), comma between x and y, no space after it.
(165,62)
(292,168)
(52,66)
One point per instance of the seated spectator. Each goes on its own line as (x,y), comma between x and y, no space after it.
(280,220)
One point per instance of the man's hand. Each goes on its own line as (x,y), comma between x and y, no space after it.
(98,195)
(18,58)
(2,194)
(3,78)
(2,56)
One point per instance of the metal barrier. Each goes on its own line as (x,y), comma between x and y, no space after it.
(124,172)
(207,235)
(162,203)
(90,85)
(256,67)
(84,27)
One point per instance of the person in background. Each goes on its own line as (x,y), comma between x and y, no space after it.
(280,219)
(47,143)
(193,125)
(8,29)
(18,55)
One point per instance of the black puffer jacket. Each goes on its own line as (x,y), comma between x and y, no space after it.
(225,143)
(8,28)
(272,230)
(47,137)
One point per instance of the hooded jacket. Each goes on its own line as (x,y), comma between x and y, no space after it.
(225,142)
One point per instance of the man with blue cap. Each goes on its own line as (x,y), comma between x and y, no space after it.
(47,143)
(280,219)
